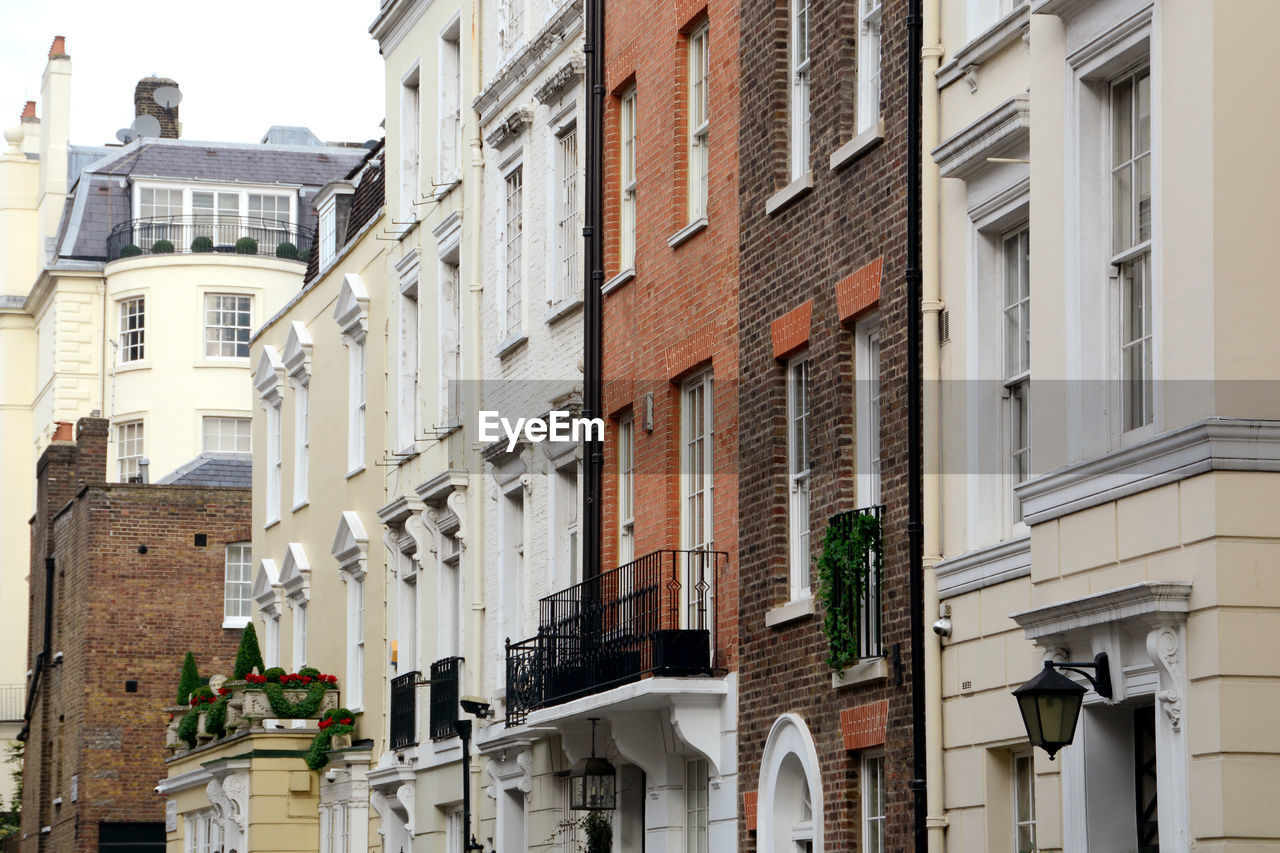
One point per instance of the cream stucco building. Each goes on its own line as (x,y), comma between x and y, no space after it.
(131,277)
(1105,421)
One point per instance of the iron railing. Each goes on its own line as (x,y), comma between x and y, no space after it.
(445,676)
(404,710)
(13,700)
(860,601)
(652,616)
(202,233)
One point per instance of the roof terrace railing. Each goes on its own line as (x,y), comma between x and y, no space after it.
(205,234)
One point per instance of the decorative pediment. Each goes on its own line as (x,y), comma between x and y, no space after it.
(564,78)
(352,310)
(297,353)
(295,574)
(1005,132)
(268,376)
(266,587)
(510,127)
(351,545)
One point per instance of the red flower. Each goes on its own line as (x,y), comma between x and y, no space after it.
(306,679)
(325,723)
(346,721)
(223,691)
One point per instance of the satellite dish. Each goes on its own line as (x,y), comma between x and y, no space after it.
(167,97)
(126,135)
(146,126)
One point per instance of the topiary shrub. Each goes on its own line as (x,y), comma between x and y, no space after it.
(202,244)
(246,246)
(339,721)
(248,656)
(287,251)
(187,728)
(273,674)
(310,672)
(162,247)
(304,255)
(130,251)
(215,720)
(189,680)
(202,695)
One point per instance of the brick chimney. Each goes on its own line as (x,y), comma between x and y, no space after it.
(91,450)
(144,103)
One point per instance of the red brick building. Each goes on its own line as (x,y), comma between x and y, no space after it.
(125,579)
(824,758)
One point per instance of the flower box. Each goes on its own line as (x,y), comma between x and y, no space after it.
(256,707)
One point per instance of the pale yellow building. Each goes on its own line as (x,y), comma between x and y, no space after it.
(129,287)
(1104,428)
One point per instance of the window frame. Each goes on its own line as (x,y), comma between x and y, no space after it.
(567,281)
(275,463)
(302,443)
(626,489)
(222,421)
(245,551)
(213,305)
(1018,821)
(131,433)
(799,475)
(449,104)
(132,344)
(410,367)
(698,107)
(870,63)
(868,418)
(356,612)
(799,88)
(871,764)
(628,139)
(1015,369)
(697,811)
(357,404)
(513,254)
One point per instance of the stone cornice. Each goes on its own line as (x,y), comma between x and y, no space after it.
(1005,129)
(394,21)
(536,55)
(510,128)
(1213,444)
(984,567)
(566,76)
(1158,601)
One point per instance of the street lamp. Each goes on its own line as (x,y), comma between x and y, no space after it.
(592,781)
(1050,702)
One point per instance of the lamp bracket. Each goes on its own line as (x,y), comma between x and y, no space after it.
(1101,679)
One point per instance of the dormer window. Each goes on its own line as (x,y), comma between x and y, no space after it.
(333,206)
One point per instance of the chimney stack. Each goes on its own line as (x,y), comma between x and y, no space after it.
(144,103)
(59,47)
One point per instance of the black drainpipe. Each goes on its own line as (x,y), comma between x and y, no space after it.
(41,659)
(915,409)
(593,299)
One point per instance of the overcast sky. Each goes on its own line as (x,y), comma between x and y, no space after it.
(242,65)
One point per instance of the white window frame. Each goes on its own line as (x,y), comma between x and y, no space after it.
(133,335)
(512,25)
(299,633)
(131,448)
(699,120)
(202,833)
(181,235)
(1015,318)
(568,216)
(800,79)
(450,300)
(566,530)
(697,435)
(449,105)
(355,641)
(410,357)
(328,233)
(871,767)
(515,515)
(275,461)
(513,254)
(697,812)
(215,430)
(627,141)
(450,586)
(237,577)
(357,402)
(410,143)
(302,442)
(271,638)
(1022,821)
(799,468)
(982,15)
(867,393)
(626,489)
(213,308)
(870,63)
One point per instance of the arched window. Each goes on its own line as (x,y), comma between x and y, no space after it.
(790,813)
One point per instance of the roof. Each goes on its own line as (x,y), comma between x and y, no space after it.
(214,469)
(102,199)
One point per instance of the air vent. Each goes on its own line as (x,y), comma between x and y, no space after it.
(944,326)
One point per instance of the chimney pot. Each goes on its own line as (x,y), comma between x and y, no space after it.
(62,431)
(29,111)
(59,47)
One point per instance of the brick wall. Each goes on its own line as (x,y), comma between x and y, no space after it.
(679,314)
(852,217)
(119,615)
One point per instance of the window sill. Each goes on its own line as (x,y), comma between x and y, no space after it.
(221,362)
(354,471)
(450,183)
(562,309)
(618,280)
(864,672)
(687,232)
(301,505)
(126,366)
(270,523)
(235,622)
(859,145)
(792,611)
(796,189)
(510,345)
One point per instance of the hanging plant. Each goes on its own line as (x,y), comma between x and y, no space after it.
(851,551)
(187,728)
(339,721)
(599,832)
(300,710)
(215,721)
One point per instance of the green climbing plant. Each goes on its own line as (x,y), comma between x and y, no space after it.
(599,832)
(851,552)
(302,709)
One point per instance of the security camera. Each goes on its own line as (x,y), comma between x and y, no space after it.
(157,789)
(476,706)
(331,775)
(943,626)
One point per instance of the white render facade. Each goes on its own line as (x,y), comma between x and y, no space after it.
(1104,434)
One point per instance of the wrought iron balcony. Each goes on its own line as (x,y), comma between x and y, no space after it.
(205,234)
(652,616)
(404,710)
(13,700)
(860,601)
(445,676)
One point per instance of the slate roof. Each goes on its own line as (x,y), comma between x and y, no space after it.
(214,469)
(102,198)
